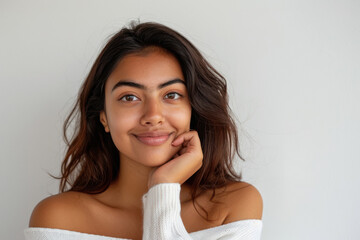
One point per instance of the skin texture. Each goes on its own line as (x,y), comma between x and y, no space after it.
(149,124)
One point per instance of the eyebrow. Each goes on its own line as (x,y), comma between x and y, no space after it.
(140,86)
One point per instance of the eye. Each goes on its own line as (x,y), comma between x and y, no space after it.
(129,98)
(173,96)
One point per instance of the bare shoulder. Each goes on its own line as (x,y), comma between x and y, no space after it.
(243,202)
(59,211)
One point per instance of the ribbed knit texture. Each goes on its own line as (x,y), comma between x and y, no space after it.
(162,209)
(162,221)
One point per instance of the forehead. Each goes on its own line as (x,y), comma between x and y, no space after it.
(150,68)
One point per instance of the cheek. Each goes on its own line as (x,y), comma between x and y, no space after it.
(121,121)
(181,118)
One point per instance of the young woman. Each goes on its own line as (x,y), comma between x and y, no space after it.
(151,154)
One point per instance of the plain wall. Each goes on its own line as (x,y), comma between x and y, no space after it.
(293,71)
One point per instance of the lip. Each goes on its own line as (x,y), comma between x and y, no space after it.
(153,138)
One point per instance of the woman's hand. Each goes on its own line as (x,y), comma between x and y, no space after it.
(183,165)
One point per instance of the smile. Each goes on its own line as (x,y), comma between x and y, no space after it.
(153,139)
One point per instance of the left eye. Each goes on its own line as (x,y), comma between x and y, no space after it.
(129,98)
(173,95)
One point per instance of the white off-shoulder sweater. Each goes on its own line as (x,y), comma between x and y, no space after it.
(162,221)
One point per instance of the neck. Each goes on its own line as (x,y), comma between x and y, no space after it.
(132,183)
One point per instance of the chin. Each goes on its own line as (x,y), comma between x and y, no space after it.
(155,160)
(150,156)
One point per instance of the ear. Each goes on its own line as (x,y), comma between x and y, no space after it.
(104,122)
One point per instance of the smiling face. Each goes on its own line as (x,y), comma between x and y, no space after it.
(146,106)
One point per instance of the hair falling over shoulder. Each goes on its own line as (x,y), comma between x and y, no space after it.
(91,162)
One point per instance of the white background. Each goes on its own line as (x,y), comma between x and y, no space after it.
(293,69)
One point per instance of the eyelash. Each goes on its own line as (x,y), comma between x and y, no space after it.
(133,96)
(179,95)
(128,95)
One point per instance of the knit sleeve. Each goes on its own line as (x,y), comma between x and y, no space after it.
(162,219)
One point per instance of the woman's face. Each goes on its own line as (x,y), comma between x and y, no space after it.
(146,107)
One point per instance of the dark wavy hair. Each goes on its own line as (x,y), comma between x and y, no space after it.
(91,162)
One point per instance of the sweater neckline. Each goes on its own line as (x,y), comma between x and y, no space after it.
(227,225)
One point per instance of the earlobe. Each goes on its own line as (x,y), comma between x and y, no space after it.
(103,120)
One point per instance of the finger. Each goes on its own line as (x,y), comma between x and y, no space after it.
(182,151)
(185,137)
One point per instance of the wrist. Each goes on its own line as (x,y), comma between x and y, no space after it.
(156,181)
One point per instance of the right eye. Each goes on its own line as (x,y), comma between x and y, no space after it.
(129,98)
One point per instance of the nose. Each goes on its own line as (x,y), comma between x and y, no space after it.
(152,113)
